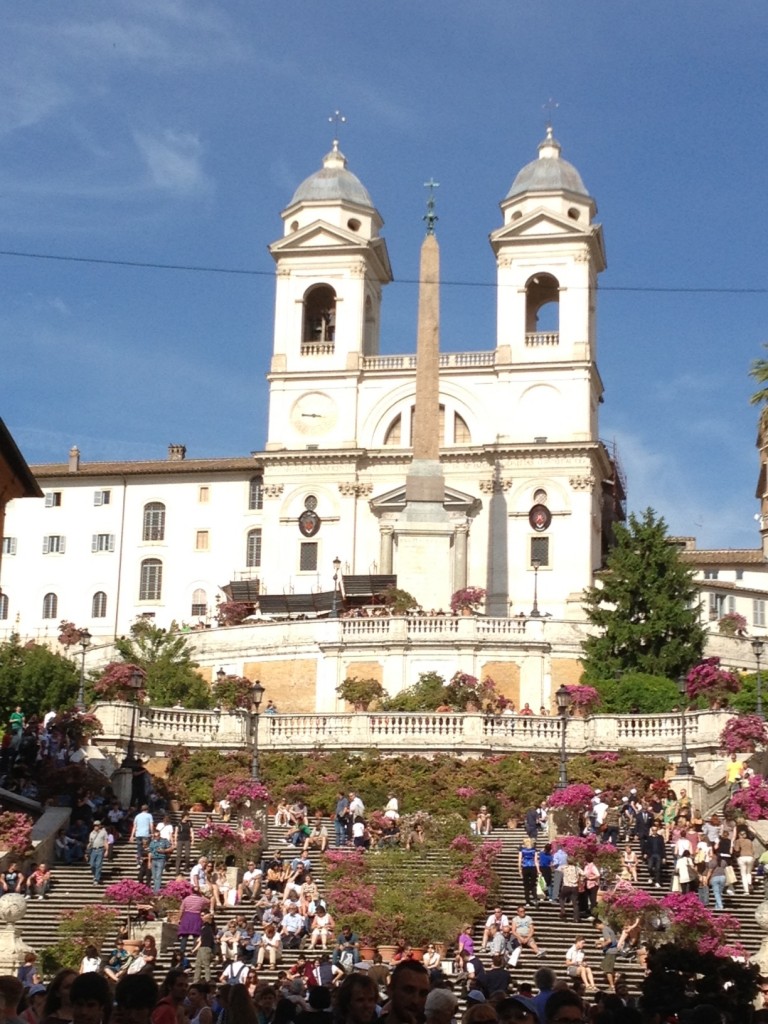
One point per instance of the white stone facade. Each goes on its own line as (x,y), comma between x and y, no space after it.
(518,428)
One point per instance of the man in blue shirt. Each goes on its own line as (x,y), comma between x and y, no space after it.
(143,827)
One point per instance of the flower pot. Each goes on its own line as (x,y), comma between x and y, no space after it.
(387,951)
(417,953)
(367,952)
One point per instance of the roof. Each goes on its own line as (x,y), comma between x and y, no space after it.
(25,485)
(333,182)
(148,467)
(548,173)
(724,556)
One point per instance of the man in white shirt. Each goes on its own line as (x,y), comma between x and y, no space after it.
(496,920)
(356,806)
(197,876)
(250,886)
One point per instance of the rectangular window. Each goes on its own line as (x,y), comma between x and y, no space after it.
(199,611)
(101,497)
(52,499)
(54,544)
(9,545)
(716,606)
(308,557)
(540,550)
(731,604)
(256,493)
(758,613)
(201,540)
(253,549)
(739,574)
(204,495)
(102,542)
(711,574)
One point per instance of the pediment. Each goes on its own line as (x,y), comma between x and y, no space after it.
(541,222)
(319,235)
(394,501)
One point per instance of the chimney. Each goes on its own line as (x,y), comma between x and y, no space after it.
(177,452)
(74,459)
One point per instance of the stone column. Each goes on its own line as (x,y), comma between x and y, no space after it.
(460,557)
(385,550)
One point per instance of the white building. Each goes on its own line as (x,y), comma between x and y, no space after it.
(531,493)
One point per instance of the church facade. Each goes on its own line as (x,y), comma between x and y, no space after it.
(529,493)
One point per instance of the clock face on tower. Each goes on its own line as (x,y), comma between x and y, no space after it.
(314,413)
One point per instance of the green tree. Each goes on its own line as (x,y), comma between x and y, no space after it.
(647,610)
(758,371)
(167,661)
(637,692)
(36,678)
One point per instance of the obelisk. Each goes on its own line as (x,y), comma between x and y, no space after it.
(425,477)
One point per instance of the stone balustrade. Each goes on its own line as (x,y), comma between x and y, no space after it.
(159,729)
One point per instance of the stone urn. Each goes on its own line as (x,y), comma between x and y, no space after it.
(13,948)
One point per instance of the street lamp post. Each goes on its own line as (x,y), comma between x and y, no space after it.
(335,606)
(85,639)
(564,699)
(685,767)
(257,695)
(536,565)
(135,683)
(757,649)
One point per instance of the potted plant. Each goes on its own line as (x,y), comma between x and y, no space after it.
(467,600)
(711,682)
(360,693)
(236,845)
(732,624)
(399,601)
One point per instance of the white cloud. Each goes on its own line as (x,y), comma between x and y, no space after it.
(667,482)
(29,96)
(174,161)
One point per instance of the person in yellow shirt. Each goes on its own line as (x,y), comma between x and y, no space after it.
(734,770)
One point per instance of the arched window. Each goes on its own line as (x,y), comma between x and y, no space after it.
(253,549)
(99,605)
(256,492)
(319,315)
(542,306)
(50,606)
(199,603)
(151,582)
(154,521)
(4,606)
(394,431)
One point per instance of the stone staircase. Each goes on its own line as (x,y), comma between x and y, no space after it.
(73,888)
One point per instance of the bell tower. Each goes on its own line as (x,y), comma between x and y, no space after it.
(549,254)
(332,264)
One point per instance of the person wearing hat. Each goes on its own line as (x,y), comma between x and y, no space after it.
(96,850)
(35,1003)
(516,1009)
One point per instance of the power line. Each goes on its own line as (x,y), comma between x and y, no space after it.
(242,271)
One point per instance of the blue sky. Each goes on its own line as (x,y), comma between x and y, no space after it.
(174,131)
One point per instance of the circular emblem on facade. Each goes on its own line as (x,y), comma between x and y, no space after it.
(309,523)
(540,517)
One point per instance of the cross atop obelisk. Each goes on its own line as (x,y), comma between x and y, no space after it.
(430,216)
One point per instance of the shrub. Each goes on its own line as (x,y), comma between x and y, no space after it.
(16,832)
(467,597)
(710,681)
(638,693)
(752,801)
(745,732)
(232,692)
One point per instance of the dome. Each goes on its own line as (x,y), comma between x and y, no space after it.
(549,173)
(332,183)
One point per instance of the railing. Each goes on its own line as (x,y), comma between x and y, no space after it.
(317,348)
(447,359)
(158,729)
(538,338)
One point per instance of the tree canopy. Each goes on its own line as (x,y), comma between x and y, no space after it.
(36,678)
(647,609)
(167,661)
